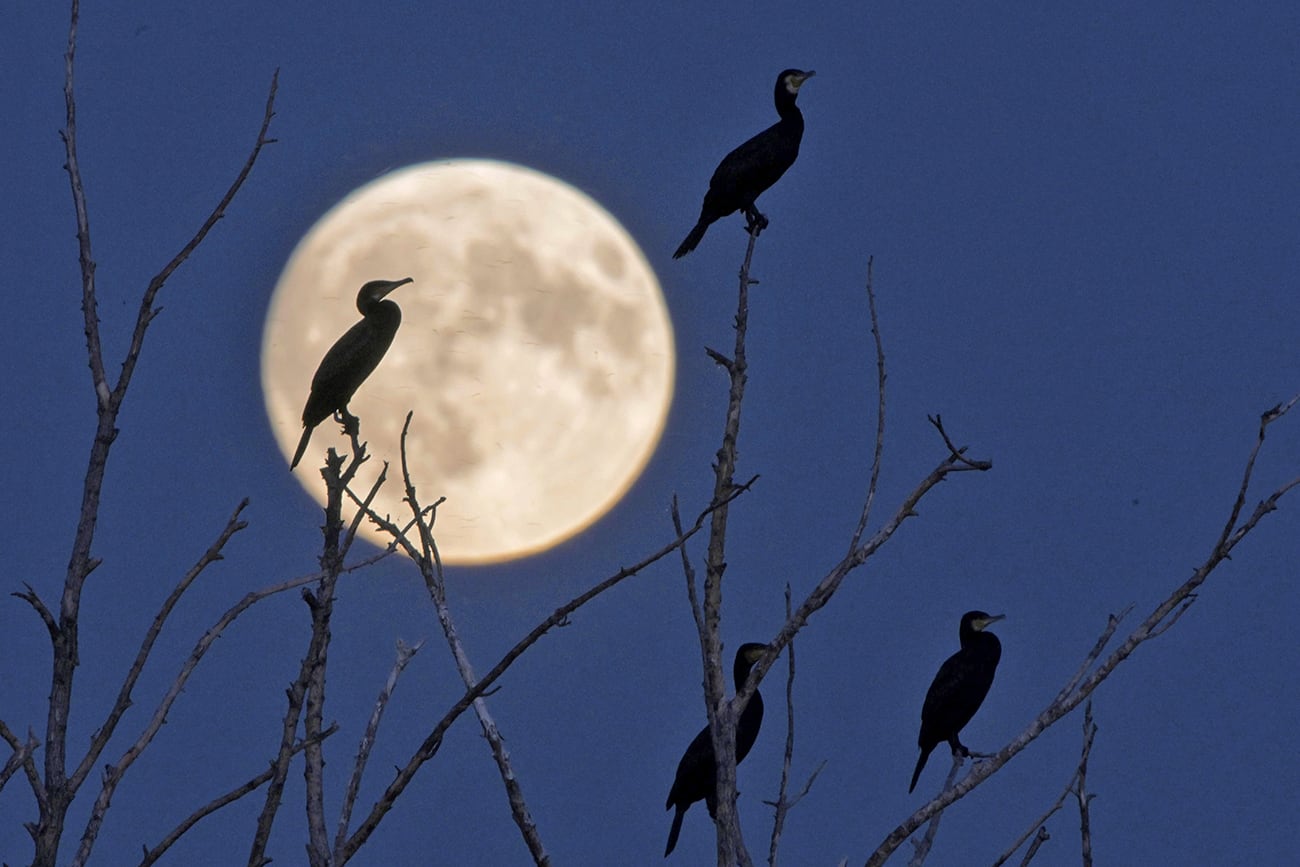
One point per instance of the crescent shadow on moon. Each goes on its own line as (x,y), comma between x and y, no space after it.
(535,349)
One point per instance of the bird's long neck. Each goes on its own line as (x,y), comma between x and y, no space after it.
(741,673)
(787,108)
(382,312)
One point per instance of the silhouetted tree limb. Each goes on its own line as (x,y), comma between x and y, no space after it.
(922,846)
(113,773)
(783,803)
(151,856)
(723,714)
(880,413)
(1081,787)
(20,758)
(433,741)
(405,653)
(429,562)
(59,789)
(1082,685)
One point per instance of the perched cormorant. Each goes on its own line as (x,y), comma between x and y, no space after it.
(959,688)
(696,772)
(352,358)
(751,168)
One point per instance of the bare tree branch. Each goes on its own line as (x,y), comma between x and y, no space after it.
(1081,787)
(1089,730)
(105,731)
(311,673)
(1039,839)
(61,790)
(1155,623)
(151,856)
(922,846)
(433,741)
(880,414)
(783,804)
(429,562)
(722,715)
(405,653)
(21,758)
(113,773)
(29,596)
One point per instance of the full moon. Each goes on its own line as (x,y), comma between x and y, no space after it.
(535,351)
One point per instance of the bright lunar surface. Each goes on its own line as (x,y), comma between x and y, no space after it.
(535,350)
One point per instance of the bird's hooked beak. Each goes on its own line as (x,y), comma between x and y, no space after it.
(794,82)
(390,285)
(983,622)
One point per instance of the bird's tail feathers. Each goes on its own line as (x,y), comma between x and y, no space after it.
(302,446)
(676,829)
(692,240)
(920,763)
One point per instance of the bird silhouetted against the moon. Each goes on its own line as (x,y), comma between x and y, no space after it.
(535,350)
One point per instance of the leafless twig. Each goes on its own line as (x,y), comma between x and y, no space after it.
(113,773)
(60,789)
(427,558)
(404,655)
(1089,730)
(1079,689)
(880,413)
(1039,839)
(151,856)
(21,756)
(921,847)
(433,741)
(1081,787)
(783,803)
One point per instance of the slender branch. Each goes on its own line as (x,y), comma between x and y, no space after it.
(113,773)
(1039,839)
(722,715)
(405,653)
(429,562)
(29,596)
(433,741)
(146,313)
(151,856)
(311,679)
(20,758)
(880,414)
(105,731)
(1081,787)
(61,790)
(780,805)
(1154,624)
(1089,731)
(830,583)
(783,803)
(922,846)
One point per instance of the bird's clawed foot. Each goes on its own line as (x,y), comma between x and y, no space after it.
(351,424)
(755,222)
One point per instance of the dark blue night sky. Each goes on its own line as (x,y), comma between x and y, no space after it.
(1085,246)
